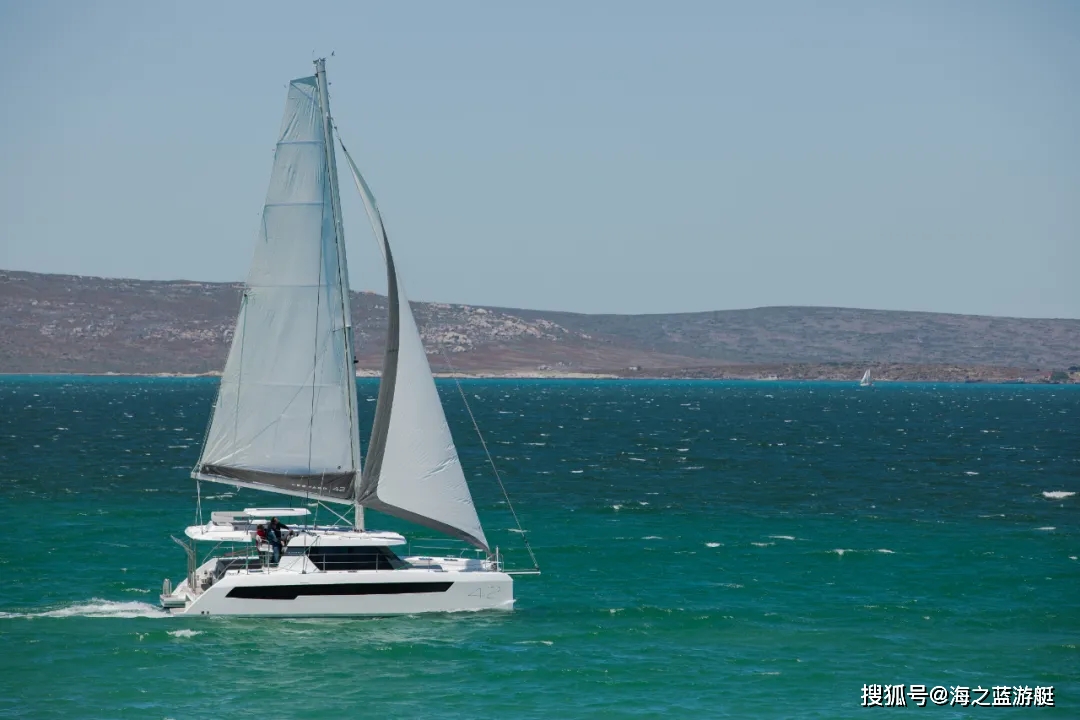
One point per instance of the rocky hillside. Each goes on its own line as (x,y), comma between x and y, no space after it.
(63,323)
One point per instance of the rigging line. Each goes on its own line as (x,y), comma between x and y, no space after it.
(240,362)
(307,499)
(323,86)
(217,397)
(331,511)
(315,358)
(214,409)
(491,460)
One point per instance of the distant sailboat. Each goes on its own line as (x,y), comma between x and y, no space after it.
(866,381)
(286,421)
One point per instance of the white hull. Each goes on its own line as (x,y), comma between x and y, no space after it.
(407,591)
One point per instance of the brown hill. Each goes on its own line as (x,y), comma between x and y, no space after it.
(64,323)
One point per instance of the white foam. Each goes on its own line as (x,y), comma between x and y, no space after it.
(887,552)
(782,537)
(576,472)
(138,590)
(535,642)
(616,508)
(185,633)
(1047,528)
(1057,494)
(970,472)
(841,551)
(762,544)
(652,537)
(100,608)
(713,544)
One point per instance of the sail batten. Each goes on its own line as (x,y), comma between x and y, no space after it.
(412,469)
(284,420)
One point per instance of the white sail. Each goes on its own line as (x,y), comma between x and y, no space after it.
(285,416)
(412,467)
(866,379)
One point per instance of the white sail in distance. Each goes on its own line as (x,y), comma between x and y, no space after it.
(412,470)
(285,416)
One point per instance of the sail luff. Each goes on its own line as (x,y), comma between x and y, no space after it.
(387,382)
(412,470)
(388,378)
(343,267)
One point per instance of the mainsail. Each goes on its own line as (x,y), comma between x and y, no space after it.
(285,419)
(412,469)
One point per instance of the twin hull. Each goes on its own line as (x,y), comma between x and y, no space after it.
(359,592)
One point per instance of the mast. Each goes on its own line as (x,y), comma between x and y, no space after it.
(343,279)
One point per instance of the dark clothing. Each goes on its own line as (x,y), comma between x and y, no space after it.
(275,535)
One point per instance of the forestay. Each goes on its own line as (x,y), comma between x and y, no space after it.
(285,414)
(412,469)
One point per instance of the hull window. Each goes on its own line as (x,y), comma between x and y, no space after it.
(354,558)
(291,592)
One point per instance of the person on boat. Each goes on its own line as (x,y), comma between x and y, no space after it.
(275,535)
(260,541)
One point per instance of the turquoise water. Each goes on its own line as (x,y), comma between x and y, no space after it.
(709,550)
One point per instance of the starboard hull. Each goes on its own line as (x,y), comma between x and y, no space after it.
(344,594)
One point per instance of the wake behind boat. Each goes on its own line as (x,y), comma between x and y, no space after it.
(286,421)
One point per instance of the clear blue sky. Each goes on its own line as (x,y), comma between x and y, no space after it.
(598,157)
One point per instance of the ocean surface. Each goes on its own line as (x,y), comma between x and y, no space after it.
(709,549)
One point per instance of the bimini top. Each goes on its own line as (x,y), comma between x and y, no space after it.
(211,532)
(338,537)
(277,512)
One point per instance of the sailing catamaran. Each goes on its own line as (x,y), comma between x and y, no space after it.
(286,421)
(866,381)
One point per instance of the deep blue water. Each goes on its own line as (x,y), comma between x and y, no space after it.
(709,549)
